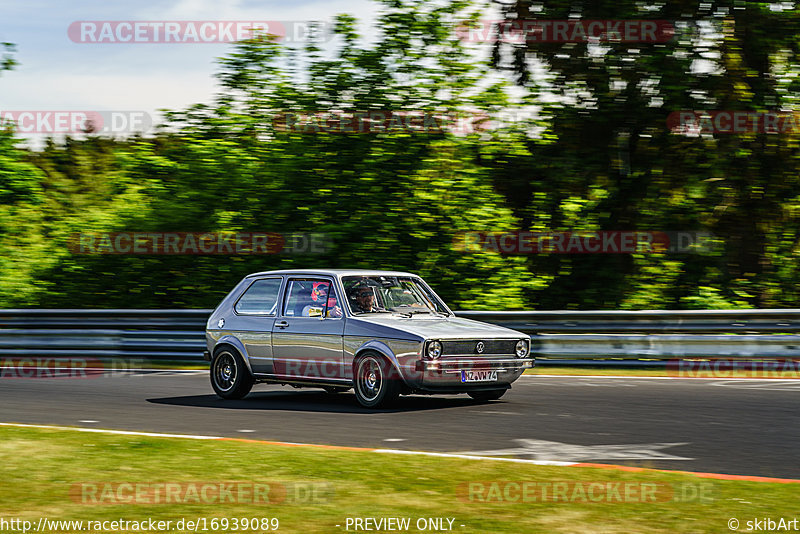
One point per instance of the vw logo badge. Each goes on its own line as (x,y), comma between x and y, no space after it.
(480,347)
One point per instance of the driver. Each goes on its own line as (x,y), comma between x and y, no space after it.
(364,300)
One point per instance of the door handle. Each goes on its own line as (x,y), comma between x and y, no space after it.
(281,324)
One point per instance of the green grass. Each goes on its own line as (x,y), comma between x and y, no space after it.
(39,467)
(594,371)
(174,365)
(698,373)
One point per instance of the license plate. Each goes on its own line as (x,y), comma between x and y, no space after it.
(478,376)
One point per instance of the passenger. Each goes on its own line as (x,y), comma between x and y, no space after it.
(319,298)
(334,310)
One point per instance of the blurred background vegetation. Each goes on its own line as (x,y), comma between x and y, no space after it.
(596,156)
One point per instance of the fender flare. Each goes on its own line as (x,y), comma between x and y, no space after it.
(234,342)
(382,349)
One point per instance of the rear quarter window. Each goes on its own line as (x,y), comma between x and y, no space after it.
(261,297)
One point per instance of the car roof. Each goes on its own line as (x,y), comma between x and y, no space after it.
(333,272)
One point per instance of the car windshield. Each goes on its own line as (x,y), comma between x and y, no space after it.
(388,294)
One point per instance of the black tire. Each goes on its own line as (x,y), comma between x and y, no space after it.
(333,390)
(375,381)
(230,377)
(483,396)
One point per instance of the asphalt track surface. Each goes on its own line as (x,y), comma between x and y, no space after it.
(740,427)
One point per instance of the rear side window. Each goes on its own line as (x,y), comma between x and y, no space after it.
(261,297)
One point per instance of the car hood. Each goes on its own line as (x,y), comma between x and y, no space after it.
(437,327)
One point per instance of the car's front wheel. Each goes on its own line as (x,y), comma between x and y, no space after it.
(230,378)
(490,395)
(376,384)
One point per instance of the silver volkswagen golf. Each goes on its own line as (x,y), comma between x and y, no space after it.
(382,333)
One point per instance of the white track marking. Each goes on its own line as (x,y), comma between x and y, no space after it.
(765,385)
(190,436)
(492,412)
(107,431)
(541,450)
(474,457)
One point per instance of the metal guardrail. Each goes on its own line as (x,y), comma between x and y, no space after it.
(168,335)
(652,337)
(645,321)
(628,338)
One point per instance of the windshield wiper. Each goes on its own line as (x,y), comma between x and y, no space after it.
(409,313)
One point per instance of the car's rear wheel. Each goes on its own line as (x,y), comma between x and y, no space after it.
(490,395)
(376,383)
(230,377)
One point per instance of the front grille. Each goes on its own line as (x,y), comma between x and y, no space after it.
(491,346)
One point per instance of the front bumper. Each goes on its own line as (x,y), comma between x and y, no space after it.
(446,374)
(456,365)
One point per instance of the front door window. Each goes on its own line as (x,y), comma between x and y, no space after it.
(312,298)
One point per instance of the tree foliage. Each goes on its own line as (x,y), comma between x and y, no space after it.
(600,156)
(615,163)
(392,199)
(7,61)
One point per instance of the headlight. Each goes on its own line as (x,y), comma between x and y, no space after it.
(522,348)
(434,350)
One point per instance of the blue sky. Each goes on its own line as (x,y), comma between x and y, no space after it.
(56,73)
